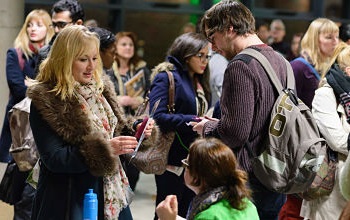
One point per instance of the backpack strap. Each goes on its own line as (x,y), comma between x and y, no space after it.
(271,73)
(20,58)
(171,103)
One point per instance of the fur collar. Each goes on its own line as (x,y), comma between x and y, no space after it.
(68,120)
(162,67)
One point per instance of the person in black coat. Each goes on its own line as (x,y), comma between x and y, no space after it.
(20,64)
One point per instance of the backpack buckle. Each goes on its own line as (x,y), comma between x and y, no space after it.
(293,97)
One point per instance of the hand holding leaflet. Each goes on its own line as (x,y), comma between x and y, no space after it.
(143,128)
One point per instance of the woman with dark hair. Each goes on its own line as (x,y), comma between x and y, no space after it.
(211,171)
(107,49)
(188,61)
(344,33)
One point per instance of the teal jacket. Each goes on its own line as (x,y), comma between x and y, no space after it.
(222,210)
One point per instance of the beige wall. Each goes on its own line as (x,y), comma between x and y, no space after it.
(11,20)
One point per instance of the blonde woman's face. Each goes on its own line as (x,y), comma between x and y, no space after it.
(328,42)
(85,65)
(198,62)
(125,48)
(36,30)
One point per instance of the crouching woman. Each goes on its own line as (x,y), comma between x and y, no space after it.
(211,171)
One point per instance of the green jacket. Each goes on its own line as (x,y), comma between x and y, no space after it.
(222,210)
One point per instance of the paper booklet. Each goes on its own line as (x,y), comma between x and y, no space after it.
(134,86)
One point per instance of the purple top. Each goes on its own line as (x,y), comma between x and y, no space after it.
(305,82)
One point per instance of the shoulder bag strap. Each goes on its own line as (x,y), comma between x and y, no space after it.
(20,58)
(271,73)
(171,104)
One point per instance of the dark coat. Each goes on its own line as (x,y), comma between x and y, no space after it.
(185,107)
(15,80)
(73,157)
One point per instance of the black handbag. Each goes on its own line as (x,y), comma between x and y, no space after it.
(12,184)
(6,184)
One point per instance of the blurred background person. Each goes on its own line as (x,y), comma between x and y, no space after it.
(127,65)
(344,32)
(277,33)
(188,28)
(129,69)
(20,65)
(91,23)
(63,13)
(217,66)
(107,48)
(262,30)
(294,47)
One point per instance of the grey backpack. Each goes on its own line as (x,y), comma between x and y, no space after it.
(293,150)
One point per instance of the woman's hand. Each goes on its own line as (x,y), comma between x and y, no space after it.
(123,144)
(149,128)
(199,126)
(167,209)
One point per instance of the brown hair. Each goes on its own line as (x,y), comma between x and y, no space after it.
(213,164)
(226,14)
(135,59)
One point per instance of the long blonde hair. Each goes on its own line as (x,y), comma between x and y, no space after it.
(71,43)
(341,56)
(22,40)
(310,44)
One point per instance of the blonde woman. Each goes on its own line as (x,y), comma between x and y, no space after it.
(20,65)
(317,47)
(80,132)
(330,107)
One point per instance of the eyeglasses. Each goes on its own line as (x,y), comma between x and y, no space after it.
(202,57)
(209,34)
(185,163)
(59,24)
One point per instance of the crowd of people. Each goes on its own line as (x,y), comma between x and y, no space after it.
(86,84)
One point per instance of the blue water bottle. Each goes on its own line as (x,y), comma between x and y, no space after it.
(90,205)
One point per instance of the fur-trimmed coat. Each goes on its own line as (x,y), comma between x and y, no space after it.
(73,156)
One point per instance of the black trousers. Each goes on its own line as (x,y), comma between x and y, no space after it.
(23,208)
